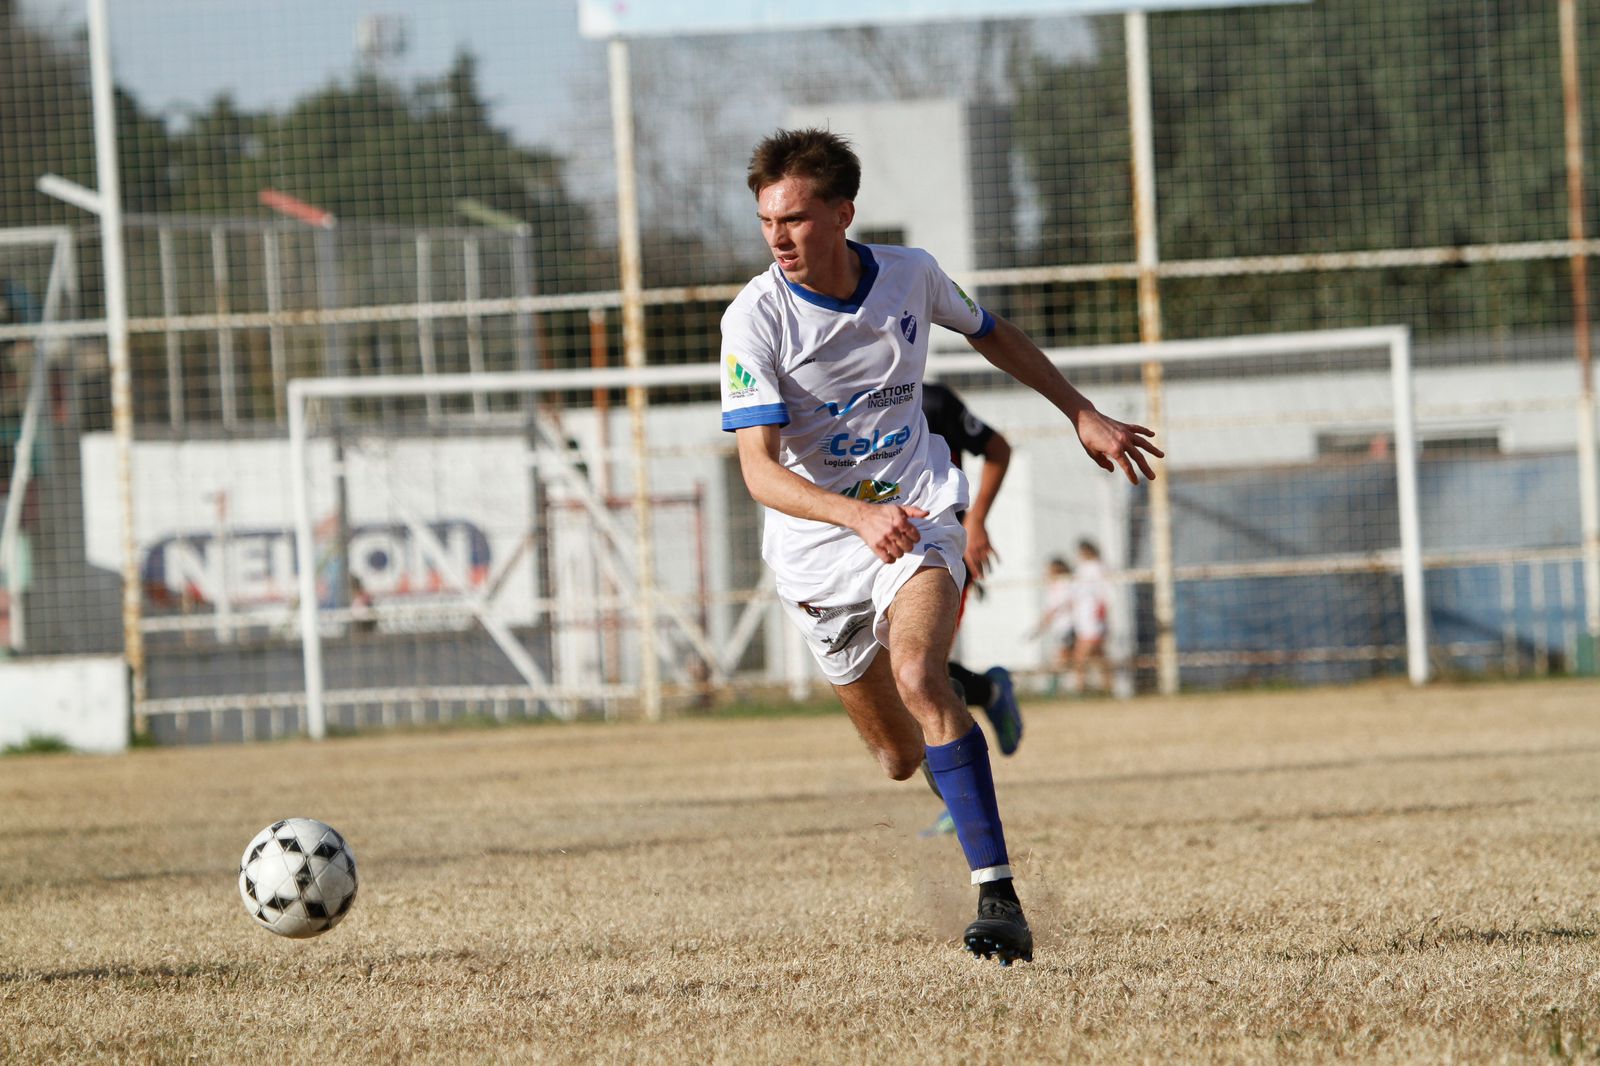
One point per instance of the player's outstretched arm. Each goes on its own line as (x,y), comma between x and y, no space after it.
(885,527)
(1110,443)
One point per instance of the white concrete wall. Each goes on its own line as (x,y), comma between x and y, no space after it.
(80,700)
(1054,495)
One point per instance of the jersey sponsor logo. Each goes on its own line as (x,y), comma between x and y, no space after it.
(893,395)
(741,382)
(887,396)
(834,409)
(908,327)
(872,491)
(876,446)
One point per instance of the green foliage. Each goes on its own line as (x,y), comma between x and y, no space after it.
(1366,124)
(38,745)
(44,120)
(371,150)
(376,151)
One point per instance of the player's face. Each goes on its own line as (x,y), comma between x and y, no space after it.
(805,232)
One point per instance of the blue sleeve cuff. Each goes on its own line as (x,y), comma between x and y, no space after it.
(985,327)
(768,414)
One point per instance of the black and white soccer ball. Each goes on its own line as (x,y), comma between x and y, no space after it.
(298,877)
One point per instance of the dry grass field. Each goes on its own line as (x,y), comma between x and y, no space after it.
(1369,874)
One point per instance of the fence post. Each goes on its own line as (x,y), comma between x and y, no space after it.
(634,355)
(1149,259)
(1588,467)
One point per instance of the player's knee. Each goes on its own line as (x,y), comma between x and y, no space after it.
(901,765)
(923,683)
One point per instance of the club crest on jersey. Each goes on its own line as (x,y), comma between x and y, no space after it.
(740,381)
(873,491)
(908,327)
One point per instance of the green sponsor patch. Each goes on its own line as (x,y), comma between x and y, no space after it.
(872,491)
(738,376)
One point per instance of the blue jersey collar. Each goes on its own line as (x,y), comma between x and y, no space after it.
(869,274)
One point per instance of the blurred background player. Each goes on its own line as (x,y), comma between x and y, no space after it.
(1091,603)
(967,434)
(1055,624)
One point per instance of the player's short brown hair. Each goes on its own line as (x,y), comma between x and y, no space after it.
(821,155)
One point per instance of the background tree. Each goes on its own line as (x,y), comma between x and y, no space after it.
(1360,125)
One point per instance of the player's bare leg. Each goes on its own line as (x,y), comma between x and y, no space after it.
(922,628)
(873,703)
(922,623)
(1088,659)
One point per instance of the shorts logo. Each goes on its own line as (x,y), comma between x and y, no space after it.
(740,380)
(840,640)
(828,614)
(873,491)
(908,326)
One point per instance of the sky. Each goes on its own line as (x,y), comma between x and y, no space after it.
(177,55)
(546,84)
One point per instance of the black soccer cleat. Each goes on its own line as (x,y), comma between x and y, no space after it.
(1000,932)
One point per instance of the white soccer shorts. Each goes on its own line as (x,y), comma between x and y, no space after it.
(844,630)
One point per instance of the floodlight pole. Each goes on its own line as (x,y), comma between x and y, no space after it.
(1149,260)
(633,346)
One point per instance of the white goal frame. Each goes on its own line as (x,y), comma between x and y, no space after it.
(60,290)
(1395,340)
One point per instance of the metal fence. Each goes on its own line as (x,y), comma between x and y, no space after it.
(459,204)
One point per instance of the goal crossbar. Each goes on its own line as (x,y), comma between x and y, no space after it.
(1394,340)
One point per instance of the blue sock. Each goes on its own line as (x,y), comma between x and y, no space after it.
(961,769)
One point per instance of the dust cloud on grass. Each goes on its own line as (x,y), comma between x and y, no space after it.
(1367,874)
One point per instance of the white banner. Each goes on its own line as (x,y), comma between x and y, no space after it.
(213,521)
(638,18)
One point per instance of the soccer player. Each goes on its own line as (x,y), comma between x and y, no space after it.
(1056,622)
(823,357)
(1091,602)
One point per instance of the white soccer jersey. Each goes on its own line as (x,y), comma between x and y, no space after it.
(843,378)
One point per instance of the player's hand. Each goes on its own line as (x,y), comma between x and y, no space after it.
(1112,444)
(980,555)
(887,529)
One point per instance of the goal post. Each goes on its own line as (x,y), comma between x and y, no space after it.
(1405,558)
(28,254)
(428,442)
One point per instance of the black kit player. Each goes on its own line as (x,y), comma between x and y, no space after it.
(823,357)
